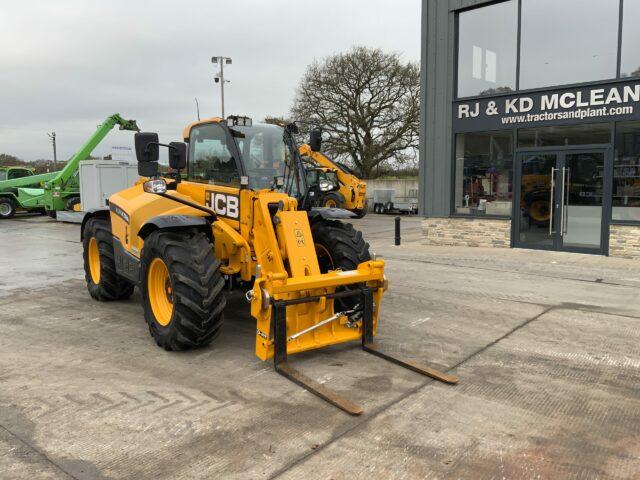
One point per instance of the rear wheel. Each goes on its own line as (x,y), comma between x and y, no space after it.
(182,289)
(103,282)
(339,246)
(7,208)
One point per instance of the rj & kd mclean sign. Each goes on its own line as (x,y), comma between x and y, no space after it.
(619,101)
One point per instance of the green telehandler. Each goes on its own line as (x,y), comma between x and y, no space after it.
(54,191)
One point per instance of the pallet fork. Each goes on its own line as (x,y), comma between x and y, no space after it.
(285,369)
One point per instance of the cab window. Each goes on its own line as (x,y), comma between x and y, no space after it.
(264,153)
(18,173)
(210,159)
(3,174)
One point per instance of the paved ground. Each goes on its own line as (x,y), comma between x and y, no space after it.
(547,346)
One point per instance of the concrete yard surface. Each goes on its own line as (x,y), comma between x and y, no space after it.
(546,345)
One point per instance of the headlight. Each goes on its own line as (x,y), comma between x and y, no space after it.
(325,185)
(155,186)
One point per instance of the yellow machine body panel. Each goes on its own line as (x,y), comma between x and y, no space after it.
(352,188)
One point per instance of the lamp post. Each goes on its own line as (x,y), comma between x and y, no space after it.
(52,136)
(219,78)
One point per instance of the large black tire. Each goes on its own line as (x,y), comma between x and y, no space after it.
(339,246)
(7,208)
(110,285)
(333,199)
(196,289)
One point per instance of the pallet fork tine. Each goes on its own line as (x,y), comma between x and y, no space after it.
(368,345)
(283,367)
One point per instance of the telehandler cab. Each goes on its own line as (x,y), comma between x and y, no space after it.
(312,282)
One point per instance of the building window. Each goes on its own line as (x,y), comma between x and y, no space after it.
(487,49)
(568,41)
(630,66)
(626,172)
(484,171)
(587,134)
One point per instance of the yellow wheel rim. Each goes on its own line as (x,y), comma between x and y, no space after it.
(539,211)
(94,260)
(330,203)
(160,292)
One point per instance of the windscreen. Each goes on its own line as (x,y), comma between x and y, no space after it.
(264,152)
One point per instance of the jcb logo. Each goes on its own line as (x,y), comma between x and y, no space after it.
(223,204)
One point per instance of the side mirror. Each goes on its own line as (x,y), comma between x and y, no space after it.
(315,139)
(147,149)
(292,128)
(178,155)
(147,153)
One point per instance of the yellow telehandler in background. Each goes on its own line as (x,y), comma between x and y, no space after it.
(348,191)
(312,281)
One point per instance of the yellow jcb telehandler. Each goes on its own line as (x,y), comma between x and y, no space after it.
(332,184)
(179,241)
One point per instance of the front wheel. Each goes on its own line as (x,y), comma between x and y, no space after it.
(182,289)
(333,200)
(339,246)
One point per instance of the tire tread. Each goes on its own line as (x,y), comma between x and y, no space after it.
(199,299)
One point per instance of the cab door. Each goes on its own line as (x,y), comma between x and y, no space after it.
(214,171)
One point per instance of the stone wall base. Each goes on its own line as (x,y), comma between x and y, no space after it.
(624,241)
(467,232)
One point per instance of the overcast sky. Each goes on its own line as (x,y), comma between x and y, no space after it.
(65,65)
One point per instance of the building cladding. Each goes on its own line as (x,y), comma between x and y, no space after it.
(530,124)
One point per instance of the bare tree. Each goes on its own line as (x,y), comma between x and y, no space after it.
(367,102)
(275,120)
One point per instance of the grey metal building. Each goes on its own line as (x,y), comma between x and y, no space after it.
(530,124)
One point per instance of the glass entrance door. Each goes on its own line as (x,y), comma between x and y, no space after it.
(561,201)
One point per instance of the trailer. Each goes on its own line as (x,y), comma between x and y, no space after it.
(385,201)
(99,179)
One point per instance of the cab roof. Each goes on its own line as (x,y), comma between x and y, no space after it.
(187,130)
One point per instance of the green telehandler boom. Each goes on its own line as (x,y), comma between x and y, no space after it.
(50,192)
